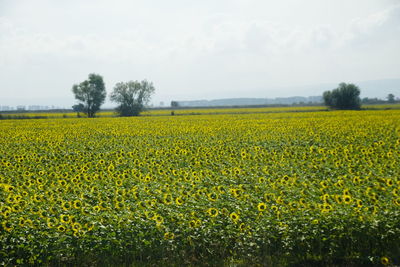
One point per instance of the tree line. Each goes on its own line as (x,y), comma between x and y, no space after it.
(131,96)
(347,96)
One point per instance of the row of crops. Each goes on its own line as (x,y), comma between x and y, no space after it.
(183,111)
(246,189)
(169,111)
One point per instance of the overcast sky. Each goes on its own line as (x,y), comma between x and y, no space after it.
(194,49)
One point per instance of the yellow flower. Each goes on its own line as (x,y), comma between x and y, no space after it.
(389,182)
(261,207)
(65,218)
(192,224)
(77,204)
(213,212)
(212,196)
(51,222)
(158,219)
(7,226)
(179,201)
(385,260)
(234,217)
(66,205)
(61,228)
(167,199)
(76,226)
(97,208)
(339,199)
(346,199)
(169,236)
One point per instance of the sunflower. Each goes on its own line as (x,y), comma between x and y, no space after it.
(119,199)
(389,182)
(61,228)
(356,179)
(77,204)
(77,233)
(76,226)
(10,199)
(269,197)
(213,212)
(261,207)
(212,196)
(65,218)
(120,205)
(167,199)
(192,224)
(158,219)
(179,201)
(7,226)
(103,205)
(326,208)
(234,217)
(385,260)
(324,184)
(169,236)
(346,199)
(66,205)
(97,208)
(339,199)
(274,208)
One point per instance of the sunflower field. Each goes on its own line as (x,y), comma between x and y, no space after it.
(273,189)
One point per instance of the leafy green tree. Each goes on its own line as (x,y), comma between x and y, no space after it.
(346,96)
(78,109)
(174,104)
(390,98)
(91,93)
(131,96)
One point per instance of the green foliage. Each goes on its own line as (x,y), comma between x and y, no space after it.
(91,93)
(298,189)
(132,96)
(174,104)
(390,98)
(346,96)
(78,108)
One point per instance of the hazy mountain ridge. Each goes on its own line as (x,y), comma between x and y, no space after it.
(251,101)
(371,89)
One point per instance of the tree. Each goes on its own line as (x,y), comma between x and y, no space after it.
(132,96)
(78,108)
(390,98)
(91,93)
(174,104)
(346,96)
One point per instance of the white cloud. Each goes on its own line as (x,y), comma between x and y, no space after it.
(374,28)
(209,47)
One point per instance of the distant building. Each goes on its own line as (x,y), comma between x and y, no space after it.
(21,108)
(5,108)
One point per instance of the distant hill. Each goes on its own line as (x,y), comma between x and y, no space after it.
(372,89)
(251,101)
(379,88)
